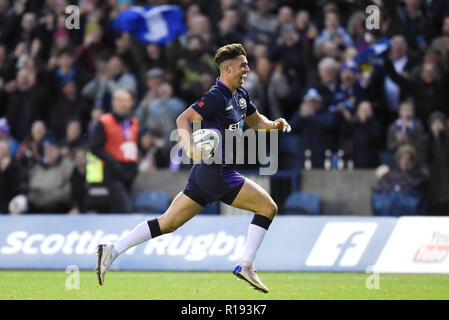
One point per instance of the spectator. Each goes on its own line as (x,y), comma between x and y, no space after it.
(5,133)
(356,29)
(327,84)
(89,91)
(67,106)
(430,56)
(410,21)
(154,78)
(306,29)
(25,101)
(401,189)
(73,137)
(333,32)
(405,173)
(64,71)
(155,57)
(31,148)
(112,78)
(10,176)
(131,51)
(49,186)
(193,62)
(230,29)
(290,54)
(350,91)
(442,43)
(307,32)
(28,28)
(6,16)
(88,52)
(200,25)
(426,91)
(95,115)
(162,112)
(316,127)
(192,11)
(267,87)
(405,130)
(61,42)
(199,87)
(285,17)
(261,23)
(114,140)
(5,75)
(151,146)
(363,132)
(78,182)
(402,63)
(51,20)
(438,159)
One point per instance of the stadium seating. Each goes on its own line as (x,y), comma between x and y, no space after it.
(152,201)
(97,198)
(211,208)
(301,202)
(398,203)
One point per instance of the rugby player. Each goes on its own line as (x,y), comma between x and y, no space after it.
(225,106)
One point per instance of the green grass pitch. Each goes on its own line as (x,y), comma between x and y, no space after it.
(219,286)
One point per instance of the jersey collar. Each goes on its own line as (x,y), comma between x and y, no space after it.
(224,88)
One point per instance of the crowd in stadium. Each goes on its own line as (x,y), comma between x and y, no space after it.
(308,66)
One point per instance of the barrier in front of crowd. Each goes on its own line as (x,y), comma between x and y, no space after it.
(214,243)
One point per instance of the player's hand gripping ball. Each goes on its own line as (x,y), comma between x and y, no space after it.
(205,141)
(282,124)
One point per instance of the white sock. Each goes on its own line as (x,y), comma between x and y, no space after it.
(139,234)
(253,241)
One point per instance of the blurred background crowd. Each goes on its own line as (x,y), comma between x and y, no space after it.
(309,62)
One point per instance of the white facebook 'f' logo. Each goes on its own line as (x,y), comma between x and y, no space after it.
(341,244)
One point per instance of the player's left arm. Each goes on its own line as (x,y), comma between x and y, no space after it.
(258,121)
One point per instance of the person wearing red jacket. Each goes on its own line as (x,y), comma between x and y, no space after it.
(114,141)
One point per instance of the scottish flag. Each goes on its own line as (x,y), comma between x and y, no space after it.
(373,51)
(154,24)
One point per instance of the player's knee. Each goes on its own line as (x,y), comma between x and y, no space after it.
(269,210)
(273,209)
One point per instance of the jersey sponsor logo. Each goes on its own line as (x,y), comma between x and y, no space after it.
(242,103)
(200,104)
(341,244)
(234,126)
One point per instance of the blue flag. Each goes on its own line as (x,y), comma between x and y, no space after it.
(373,51)
(154,24)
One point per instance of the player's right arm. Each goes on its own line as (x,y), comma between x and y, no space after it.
(204,109)
(184,124)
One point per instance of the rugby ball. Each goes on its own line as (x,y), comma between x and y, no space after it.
(207,139)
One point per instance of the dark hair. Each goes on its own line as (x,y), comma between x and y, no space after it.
(229,52)
(196,36)
(437,115)
(65,51)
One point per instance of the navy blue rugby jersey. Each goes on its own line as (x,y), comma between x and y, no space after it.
(223,110)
